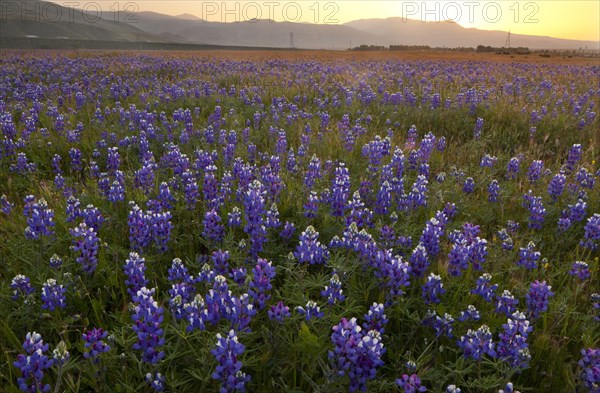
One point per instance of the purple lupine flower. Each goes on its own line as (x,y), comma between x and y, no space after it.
(340,190)
(581,270)
(469,185)
(418,194)
(573,157)
(113,159)
(94,344)
(432,288)
(590,369)
(310,249)
(86,243)
(55,261)
(260,285)
(220,261)
(513,166)
(453,389)
(470,314)
(591,237)
(312,310)
(577,211)
(229,367)
(484,287)
(528,257)
(442,325)
(272,217)
(313,172)
(156,381)
(507,241)
(506,303)
(537,298)
(312,205)
(478,127)
(76,164)
(73,210)
(477,343)
(21,287)
(395,274)
(493,189)
(355,354)
(419,263)
(288,230)
(359,215)
(535,171)
(213,229)
(375,319)
(135,270)
(279,312)
(234,217)
(596,305)
(557,186)
(6,205)
(32,364)
(254,209)
(488,161)
(40,218)
(53,295)
(333,291)
(147,317)
(508,388)
(384,199)
(410,384)
(195,313)
(585,178)
(430,238)
(116,191)
(537,212)
(512,344)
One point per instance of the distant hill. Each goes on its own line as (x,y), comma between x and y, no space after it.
(189,29)
(448,34)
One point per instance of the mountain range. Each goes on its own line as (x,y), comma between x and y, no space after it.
(42,21)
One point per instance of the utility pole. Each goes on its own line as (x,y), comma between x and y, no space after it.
(507,43)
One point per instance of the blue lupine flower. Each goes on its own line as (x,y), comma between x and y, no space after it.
(537,298)
(573,157)
(375,319)
(213,229)
(506,303)
(535,171)
(53,295)
(488,161)
(475,344)
(493,189)
(5,205)
(333,291)
(94,344)
(86,242)
(441,325)
(513,167)
(312,310)
(596,305)
(590,369)
(470,314)
(412,383)
(21,287)
(508,388)
(40,218)
(512,345)
(581,270)
(537,212)
(355,354)
(528,257)
(591,237)
(288,230)
(432,288)
(260,285)
(507,241)
(156,381)
(484,287)
(135,270)
(279,312)
(147,317)
(32,364)
(557,186)
(229,367)
(340,190)
(310,249)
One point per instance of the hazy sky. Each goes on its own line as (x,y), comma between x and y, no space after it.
(558,18)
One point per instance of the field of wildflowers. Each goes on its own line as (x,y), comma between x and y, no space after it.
(195,224)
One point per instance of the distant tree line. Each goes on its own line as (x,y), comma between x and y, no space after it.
(521,50)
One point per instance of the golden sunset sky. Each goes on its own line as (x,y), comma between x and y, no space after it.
(578,19)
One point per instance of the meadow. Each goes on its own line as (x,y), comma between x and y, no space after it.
(298,222)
